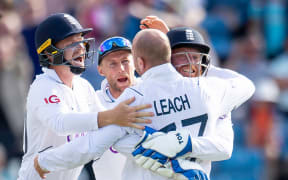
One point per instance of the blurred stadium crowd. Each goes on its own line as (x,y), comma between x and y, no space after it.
(248,36)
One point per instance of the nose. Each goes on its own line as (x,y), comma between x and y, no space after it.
(122,68)
(79,46)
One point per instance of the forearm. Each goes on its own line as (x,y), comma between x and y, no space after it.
(80,150)
(213,149)
(239,88)
(69,123)
(126,145)
(239,91)
(245,92)
(218,146)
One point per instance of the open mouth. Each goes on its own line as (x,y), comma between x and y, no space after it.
(122,79)
(191,71)
(78,61)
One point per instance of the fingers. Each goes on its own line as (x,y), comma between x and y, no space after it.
(39,170)
(141,160)
(148,152)
(144,26)
(138,151)
(181,177)
(143,121)
(151,17)
(149,163)
(137,126)
(148,19)
(143,21)
(142,107)
(166,172)
(161,158)
(129,101)
(146,22)
(156,165)
(139,120)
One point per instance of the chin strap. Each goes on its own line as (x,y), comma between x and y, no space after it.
(74,69)
(77,70)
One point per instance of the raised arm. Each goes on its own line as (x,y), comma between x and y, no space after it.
(155,23)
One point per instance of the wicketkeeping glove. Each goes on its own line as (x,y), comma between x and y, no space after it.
(181,169)
(158,147)
(141,160)
(148,134)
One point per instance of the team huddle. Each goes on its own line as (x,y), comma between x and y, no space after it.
(172,122)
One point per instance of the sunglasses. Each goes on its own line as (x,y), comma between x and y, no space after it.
(113,43)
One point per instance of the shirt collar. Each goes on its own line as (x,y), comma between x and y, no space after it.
(106,90)
(161,71)
(52,74)
(109,95)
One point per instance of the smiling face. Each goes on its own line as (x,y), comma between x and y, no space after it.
(118,68)
(73,51)
(186,61)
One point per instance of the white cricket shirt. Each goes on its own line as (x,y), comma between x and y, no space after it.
(56,114)
(177,103)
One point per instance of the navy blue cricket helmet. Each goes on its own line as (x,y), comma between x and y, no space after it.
(52,30)
(189,37)
(186,36)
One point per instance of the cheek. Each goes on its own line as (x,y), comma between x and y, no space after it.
(111,77)
(128,68)
(68,54)
(179,61)
(109,73)
(106,71)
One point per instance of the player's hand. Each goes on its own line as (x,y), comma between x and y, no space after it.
(42,173)
(139,152)
(148,134)
(181,169)
(155,23)
(125,115)
(156,151)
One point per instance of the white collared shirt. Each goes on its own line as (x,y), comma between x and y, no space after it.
(56,114)
(174,99)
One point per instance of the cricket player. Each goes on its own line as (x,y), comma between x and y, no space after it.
(184,105)
(190,57)
(60,104)
(115,63)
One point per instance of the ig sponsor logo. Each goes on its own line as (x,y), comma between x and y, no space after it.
(52,99)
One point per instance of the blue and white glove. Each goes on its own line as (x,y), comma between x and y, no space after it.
(181,169)
(158,147)
(145,161)
(148,134)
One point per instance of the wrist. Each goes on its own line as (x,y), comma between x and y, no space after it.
(104,118)
(41,170)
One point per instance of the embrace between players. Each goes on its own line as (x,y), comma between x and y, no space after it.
(190,105)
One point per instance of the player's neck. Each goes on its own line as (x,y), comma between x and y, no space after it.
(65,75)
(115,93)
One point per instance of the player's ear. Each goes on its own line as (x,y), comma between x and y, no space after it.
(48,56)
(100,70)
(141,63)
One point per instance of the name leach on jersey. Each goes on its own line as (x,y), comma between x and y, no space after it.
(166,106)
